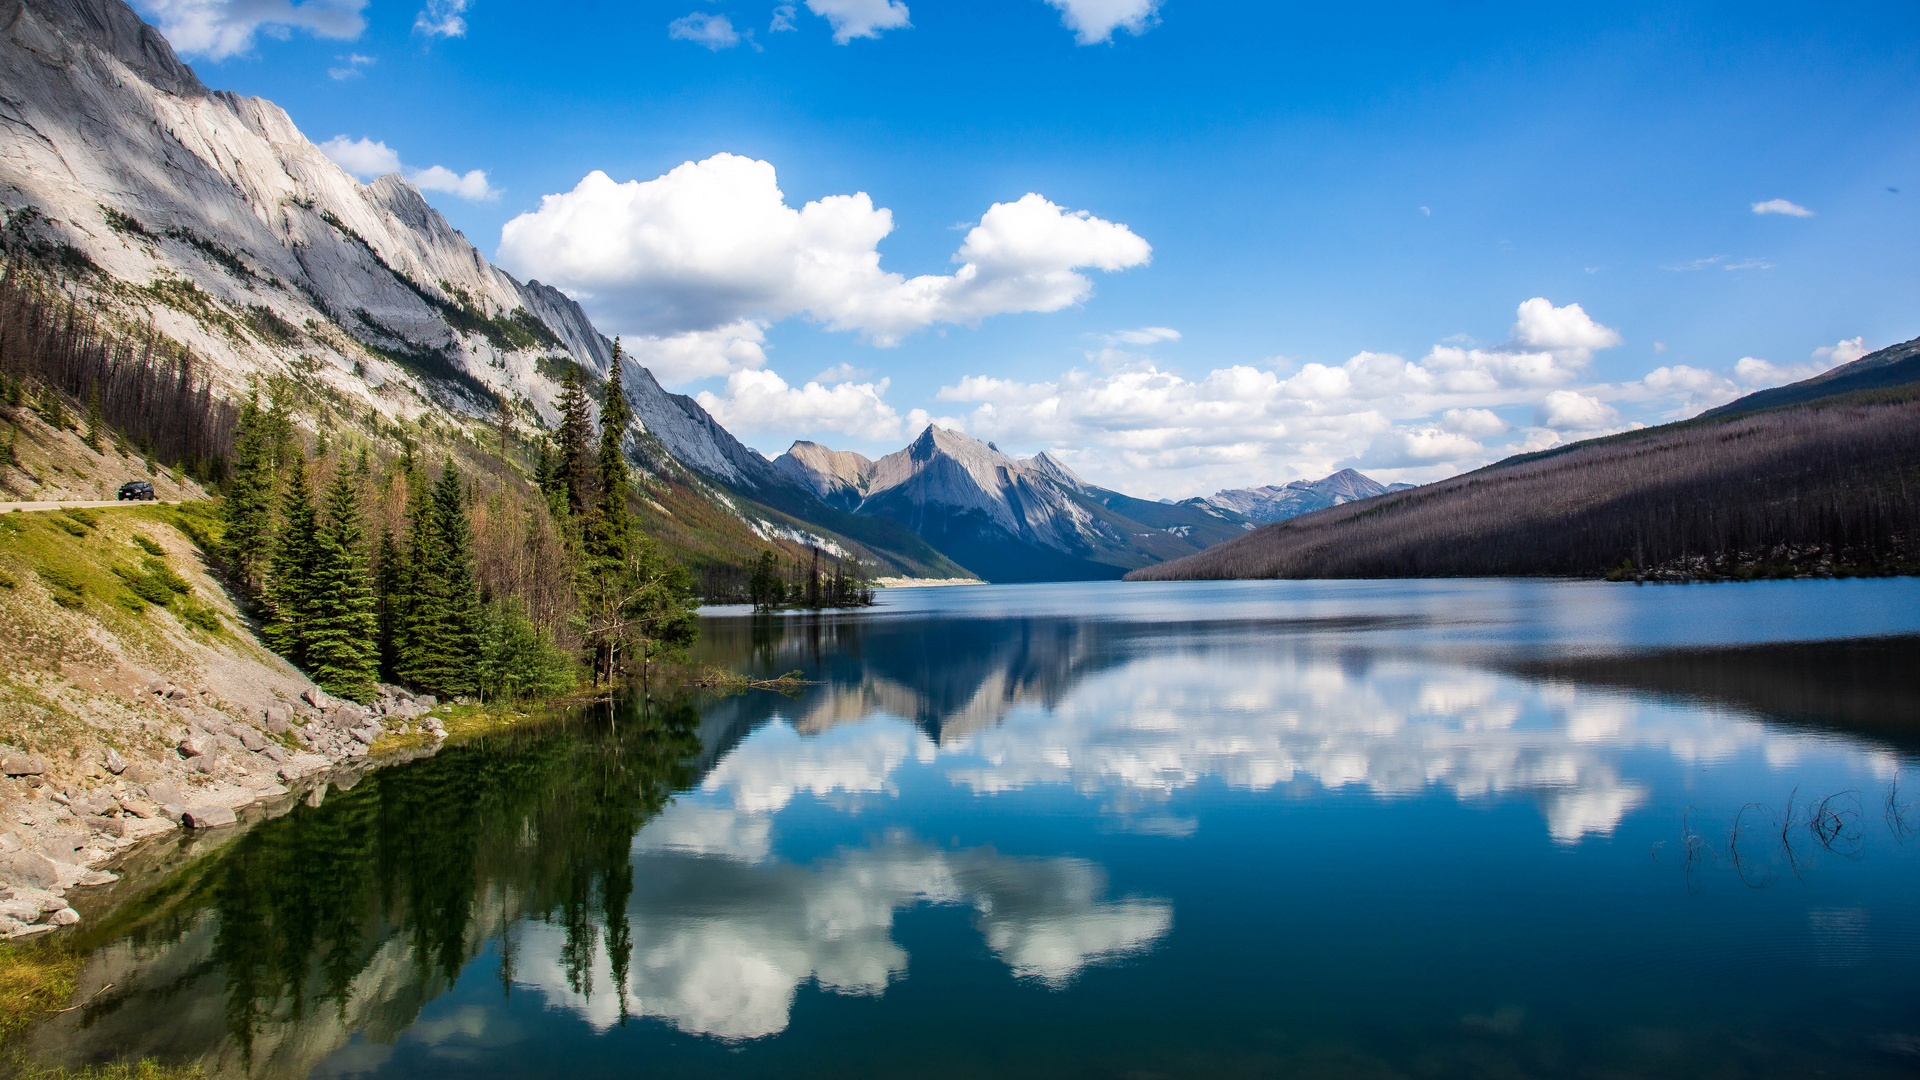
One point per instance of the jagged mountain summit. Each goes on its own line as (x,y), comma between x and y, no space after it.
(209,217)
(1277,502)
(838,477)
(1006,518)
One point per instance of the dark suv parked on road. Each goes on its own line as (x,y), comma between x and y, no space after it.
(136,489)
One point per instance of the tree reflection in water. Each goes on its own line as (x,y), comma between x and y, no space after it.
(439,857)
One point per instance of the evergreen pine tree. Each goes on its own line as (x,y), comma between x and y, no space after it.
(575,465)
(607,528)
(462,638)
(95,421)
(340,622)
(248,509)
(390,574)
(421,610)
(289,584)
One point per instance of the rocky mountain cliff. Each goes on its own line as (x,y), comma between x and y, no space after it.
(210,218)
(1279,502)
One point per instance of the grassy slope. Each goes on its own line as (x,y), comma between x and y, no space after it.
(1831,486)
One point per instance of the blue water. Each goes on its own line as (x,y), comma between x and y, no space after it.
(1214,829)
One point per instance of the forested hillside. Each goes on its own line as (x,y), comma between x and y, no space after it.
(1827,487)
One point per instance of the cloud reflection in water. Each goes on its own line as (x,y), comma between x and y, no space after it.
(723,939)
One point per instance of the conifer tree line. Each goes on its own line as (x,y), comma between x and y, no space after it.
(408,571)
(149,390)
(775,584)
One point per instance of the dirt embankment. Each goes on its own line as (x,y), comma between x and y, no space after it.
(136,700)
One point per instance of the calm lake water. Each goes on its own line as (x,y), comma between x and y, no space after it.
(1239,829)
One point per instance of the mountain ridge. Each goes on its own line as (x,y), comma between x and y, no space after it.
(1277,502)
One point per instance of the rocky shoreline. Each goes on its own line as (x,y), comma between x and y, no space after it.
(63,826)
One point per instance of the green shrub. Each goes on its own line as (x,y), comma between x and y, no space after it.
(7,582)
(148,546)
(195,615)
(68,591)
(89,518)
(70,527)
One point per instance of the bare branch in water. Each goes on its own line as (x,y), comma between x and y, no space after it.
(1897,811)
(1836,825)
(1733,847)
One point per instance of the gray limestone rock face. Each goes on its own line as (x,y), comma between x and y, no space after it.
(208,817)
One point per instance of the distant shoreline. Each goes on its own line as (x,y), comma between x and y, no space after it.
(924,583)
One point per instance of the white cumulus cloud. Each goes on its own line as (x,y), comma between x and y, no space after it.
(1570,410)
(1137,424)
(860,18)
(1094,21)
(362,157)
(1842,352)
(761,401)
(366,159)
(1568,329)
(714,242)
(1477,423)
(715,32)
(471,184)
(217,29)
(1781,206)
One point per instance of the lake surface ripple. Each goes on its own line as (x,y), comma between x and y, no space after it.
(1187,829)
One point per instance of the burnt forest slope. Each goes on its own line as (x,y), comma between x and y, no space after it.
(1831,485)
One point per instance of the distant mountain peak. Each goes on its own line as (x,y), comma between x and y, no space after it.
(1277,503)
(1054,469)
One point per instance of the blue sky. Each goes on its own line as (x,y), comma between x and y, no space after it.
(1350,212)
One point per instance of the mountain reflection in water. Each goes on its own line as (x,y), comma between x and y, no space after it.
(990,790)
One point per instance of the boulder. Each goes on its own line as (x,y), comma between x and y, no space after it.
(98,877)
(272,752)
(115,763)
(140,808)
(179,694)
(173,811)
(23,765)
(66,916)
(197,746)
(162,791)
(425,701)
(157,686)
(317,698)
(28,868)
(140,772)
(114,827)
(250,738)
(278,719)
(208,817)
(20,910)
